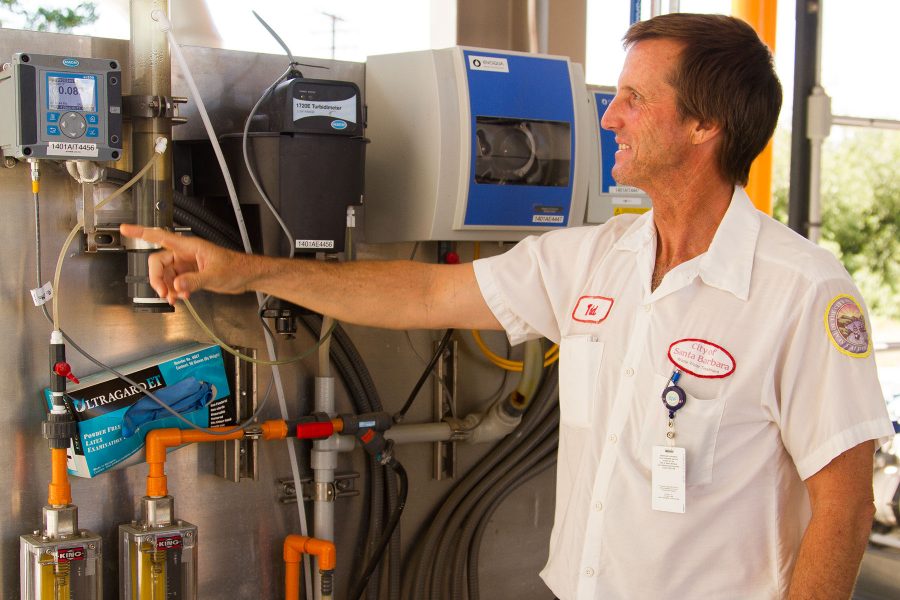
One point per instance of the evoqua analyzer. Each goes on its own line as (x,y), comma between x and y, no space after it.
(473,144)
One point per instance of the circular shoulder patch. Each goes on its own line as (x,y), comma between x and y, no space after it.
(846,326)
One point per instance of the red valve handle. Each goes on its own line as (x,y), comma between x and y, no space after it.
(64,370)
(315,431)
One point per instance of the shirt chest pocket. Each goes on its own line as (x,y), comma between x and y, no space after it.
(696,430)
(579,367)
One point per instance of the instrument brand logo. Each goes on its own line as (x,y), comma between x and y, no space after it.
(64,555)
(168,543)
(488,63)
(71,62)
(339,125)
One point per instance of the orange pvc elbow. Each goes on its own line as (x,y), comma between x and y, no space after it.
(296,545)
(294,548)
(158,441)
(59,492)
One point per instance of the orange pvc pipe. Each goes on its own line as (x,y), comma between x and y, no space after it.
(291,580)
(59,492)
(762,16)
(158,441)
(294,548)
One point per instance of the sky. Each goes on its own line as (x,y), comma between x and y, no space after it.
(859,41)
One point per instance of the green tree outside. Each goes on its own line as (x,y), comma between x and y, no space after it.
(60,20)
(860,208)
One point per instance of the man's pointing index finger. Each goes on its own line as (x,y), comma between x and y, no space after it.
(154,235)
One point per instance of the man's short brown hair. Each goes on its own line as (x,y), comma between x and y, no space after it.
(725,76)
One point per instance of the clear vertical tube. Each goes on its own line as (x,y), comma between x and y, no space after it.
(151,76)
(60,569)
(151,81)
(158,563)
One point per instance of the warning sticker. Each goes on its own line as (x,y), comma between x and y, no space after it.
(72,149)
(629,210)
(846,327)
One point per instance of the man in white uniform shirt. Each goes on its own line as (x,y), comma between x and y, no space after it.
(719,404)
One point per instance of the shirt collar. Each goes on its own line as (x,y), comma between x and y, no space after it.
(728,263)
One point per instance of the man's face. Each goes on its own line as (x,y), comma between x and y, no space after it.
(653,140)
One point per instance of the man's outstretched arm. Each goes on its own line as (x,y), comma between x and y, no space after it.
(389,294)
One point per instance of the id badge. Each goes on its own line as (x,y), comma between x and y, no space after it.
(667,479)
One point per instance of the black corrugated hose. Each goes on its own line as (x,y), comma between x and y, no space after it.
(417,580)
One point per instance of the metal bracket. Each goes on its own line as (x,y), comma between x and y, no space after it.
(101,231)
(343,487)
(153,107)
(237,459)
(445,395)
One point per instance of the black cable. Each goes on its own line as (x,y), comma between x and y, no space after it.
(201,229)
(418,573)
(474,594)
(513,473)
(536,441)
(393,562)
(212,220)
(401,414)
(360,588)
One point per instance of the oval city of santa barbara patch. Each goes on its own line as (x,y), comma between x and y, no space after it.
(846,326)
(701,358)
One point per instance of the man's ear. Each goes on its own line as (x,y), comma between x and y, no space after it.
(705,131)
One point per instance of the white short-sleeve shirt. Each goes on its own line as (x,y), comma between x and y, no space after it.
(777,366)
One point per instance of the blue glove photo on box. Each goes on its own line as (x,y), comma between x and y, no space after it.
(183,397)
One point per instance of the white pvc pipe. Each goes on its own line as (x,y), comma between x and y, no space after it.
(425,432)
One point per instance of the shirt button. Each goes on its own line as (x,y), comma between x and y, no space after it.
(629,371)
(612,438)
(646,308)
(589,572)
(598,506)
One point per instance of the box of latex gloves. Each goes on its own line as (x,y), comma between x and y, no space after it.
(114,416)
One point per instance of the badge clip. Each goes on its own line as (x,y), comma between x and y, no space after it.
(673,397)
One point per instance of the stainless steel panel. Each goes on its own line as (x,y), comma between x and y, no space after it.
(241,525)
